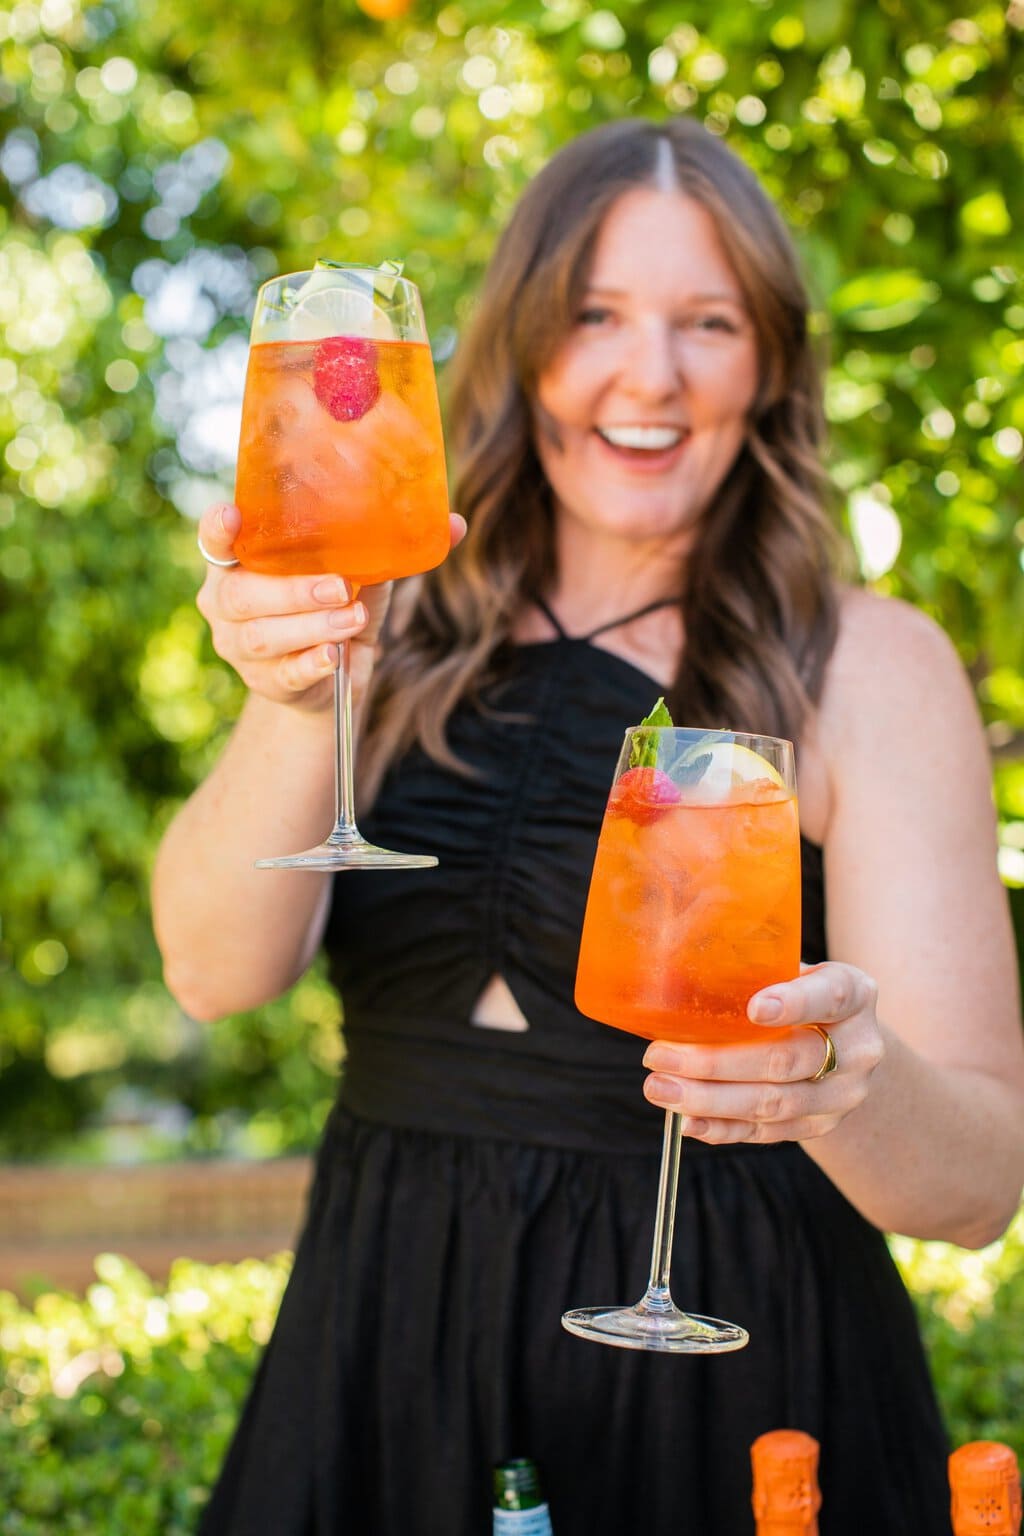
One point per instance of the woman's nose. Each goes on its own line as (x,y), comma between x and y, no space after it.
(651,367)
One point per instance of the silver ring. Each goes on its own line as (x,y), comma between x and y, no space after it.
(830,1061)
(212,559)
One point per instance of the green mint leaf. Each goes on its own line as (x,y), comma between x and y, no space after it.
(659,715)
(691,766)
(643,751)
(686,772)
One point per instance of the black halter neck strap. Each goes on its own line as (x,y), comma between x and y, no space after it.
(627,618)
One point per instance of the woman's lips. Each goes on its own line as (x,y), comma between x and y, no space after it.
(650,449)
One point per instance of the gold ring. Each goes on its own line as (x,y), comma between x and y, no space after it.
(830,1061)
(212,559)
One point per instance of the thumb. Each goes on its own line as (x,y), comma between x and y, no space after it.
(218,529)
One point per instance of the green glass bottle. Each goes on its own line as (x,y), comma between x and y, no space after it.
(519,1507)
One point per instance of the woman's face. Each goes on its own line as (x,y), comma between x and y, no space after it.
(642,411)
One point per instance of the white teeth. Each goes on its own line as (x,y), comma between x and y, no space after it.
(641,437)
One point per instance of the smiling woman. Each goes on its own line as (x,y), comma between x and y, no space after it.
(637,425)
(643,409)
(644,285)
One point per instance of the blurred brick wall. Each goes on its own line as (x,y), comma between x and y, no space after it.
(54,1220)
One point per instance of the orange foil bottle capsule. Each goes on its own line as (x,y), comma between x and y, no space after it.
(984,1482)
(786,1496)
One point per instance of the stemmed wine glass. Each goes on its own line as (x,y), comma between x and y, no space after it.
(694,905)
(341,469)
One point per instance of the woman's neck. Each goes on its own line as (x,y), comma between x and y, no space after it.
(601,579)
(593,589)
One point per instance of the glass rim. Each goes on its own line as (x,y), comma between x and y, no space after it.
(343,266)
(720,733)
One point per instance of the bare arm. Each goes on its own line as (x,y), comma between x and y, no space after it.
(922,1126)
(914,899)
(232,936)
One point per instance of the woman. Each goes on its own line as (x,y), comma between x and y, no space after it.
(636,422)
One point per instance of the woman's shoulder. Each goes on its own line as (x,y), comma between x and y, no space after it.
(888,654)
(897,697)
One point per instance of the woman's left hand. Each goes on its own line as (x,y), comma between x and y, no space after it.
(764,1093)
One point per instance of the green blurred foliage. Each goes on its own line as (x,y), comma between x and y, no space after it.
(116,1407)
(970,1306)
(157,161)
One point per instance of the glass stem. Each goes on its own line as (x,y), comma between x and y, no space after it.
(658,1297)
(345,830)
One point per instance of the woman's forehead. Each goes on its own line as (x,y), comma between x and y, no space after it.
(657,240)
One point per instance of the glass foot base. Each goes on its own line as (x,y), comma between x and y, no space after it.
(670,1331)
(352,853)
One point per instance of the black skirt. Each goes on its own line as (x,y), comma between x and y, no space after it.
(419,1343)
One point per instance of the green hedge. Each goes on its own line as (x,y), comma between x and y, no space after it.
(117,1406)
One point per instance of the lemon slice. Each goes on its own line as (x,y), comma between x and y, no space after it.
(729,765)
(336,300)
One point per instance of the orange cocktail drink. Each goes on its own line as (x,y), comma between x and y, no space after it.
(694,903)
(341,470)
(341,460)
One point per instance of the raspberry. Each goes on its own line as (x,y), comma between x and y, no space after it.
(345,378)
(643,794)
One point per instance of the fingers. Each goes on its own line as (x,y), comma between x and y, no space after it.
(767,1104)
(280,633)
(270,638)
(762,1093)
(218,528)
(790,1058)
(762,1113)
(823,994)
(242,595)
(300,672)
(456,527)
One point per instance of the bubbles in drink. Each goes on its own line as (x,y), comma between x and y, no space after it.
(341,460)
(691,911)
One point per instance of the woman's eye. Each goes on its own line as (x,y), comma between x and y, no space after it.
(715,323)
(592,316)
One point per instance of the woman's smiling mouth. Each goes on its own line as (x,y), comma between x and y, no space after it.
(651,446)
(650,438)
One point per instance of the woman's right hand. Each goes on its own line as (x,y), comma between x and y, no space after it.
(281,633)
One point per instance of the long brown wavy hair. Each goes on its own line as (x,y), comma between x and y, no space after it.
(759,602)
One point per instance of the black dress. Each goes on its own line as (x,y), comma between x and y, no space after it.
(472,1184)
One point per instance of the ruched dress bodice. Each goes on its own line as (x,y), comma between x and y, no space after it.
(412,951)
(474,1183)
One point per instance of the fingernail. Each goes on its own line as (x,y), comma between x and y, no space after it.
(341,618)
(332,590)
(764,1009)
(665,1089)
(657,1058)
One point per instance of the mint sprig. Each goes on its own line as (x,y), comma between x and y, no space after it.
(688,768)
(643,750)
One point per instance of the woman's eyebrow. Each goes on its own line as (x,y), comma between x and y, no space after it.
(595,290)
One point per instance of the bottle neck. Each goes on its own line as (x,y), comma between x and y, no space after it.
(519,1507)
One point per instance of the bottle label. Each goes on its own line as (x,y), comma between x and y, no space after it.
(522,1522)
